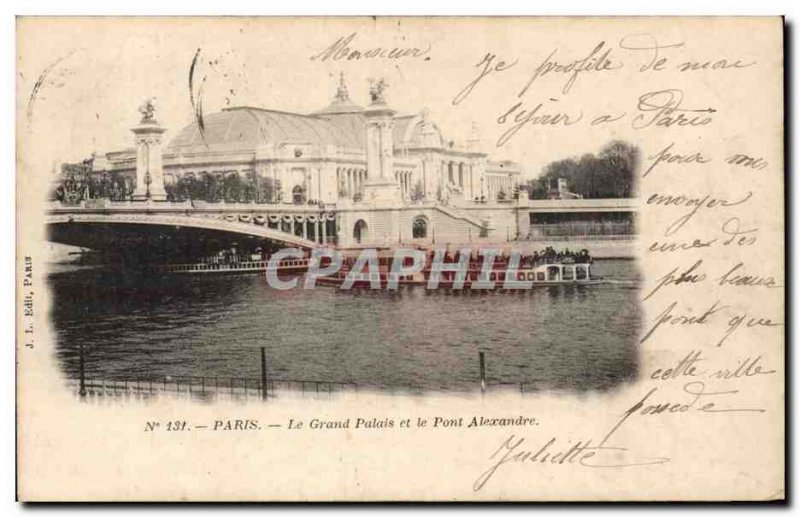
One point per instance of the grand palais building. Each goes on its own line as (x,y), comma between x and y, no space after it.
(345,174)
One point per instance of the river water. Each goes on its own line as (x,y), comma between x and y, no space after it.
(565,338)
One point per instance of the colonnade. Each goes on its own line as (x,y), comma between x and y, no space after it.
(404,179)
(496,184)
(462,175)
(351,181)
(320,228)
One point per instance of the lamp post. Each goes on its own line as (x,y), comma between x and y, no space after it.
(147,181)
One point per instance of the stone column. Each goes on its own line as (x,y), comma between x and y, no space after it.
(149,169)
(350,183)
(381,188)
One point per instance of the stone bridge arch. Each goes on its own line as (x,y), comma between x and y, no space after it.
(115,232)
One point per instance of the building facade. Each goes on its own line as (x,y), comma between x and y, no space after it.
(388,177)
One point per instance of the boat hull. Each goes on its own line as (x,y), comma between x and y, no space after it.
(499,286)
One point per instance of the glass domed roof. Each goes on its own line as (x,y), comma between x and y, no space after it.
(246,128)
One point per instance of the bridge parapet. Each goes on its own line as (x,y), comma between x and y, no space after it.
(581,205)
(184,206)
(297,226)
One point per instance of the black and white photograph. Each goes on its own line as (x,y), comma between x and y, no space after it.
(388,258)
(161,253)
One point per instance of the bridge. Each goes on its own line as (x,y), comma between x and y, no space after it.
(580,205)
(165,230)
(577,219)
(169,230)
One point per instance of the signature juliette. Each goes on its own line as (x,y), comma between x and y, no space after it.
(603,454)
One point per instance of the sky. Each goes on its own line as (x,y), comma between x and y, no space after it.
(93,74)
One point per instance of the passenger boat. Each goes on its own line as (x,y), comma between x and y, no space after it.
(542,275)
(532,272)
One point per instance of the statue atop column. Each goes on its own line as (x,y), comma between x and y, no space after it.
(149,167)
(148,111)
(376,89)
(382,187)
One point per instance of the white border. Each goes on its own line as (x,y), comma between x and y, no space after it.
(789,8)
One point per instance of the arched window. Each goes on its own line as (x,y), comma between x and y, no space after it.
(360,231)
(297,195)
(419,228)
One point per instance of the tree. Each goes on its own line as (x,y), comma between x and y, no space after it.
(609,174)
(620,160)
(232,188)
(78,170)
(536,188)
(272,189)
(213,188)
(197,189)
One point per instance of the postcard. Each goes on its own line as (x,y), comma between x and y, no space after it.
(400,259)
